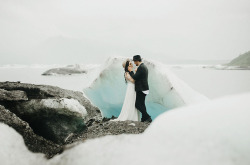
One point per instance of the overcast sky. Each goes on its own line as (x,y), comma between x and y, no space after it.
(89,31)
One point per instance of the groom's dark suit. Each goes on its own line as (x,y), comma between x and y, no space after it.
(141,84)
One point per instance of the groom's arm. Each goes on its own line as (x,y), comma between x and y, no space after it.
(137,75)
(132,74)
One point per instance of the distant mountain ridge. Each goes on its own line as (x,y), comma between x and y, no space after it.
(242,60)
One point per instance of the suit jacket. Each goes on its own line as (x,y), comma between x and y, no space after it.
(141,78)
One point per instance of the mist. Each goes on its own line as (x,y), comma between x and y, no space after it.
(64,32)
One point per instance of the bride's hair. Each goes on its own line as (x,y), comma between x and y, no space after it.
(126,69)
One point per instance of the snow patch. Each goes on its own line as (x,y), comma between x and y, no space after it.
(132,124)
(70,104)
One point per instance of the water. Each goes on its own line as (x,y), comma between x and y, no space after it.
(33,75)
(215,83)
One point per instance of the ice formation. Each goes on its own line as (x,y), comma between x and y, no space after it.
(166,90)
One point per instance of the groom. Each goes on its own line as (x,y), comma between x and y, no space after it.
(141,87)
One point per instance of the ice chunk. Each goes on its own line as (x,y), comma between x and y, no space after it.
(166,90)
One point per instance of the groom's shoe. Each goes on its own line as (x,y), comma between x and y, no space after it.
(149,120)
(142,120)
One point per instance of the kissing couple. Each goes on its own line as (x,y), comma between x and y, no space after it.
(137,90)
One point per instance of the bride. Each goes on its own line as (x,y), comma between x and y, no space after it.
(129,112)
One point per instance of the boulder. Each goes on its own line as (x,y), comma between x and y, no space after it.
(15,95)
(53,113)
(34,142)
(50,119)
(54,119)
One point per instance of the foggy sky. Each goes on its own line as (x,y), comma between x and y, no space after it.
(89,31)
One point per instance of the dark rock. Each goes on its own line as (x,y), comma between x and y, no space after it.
(47,91)
(34,142)
(90,122)
(53,123)
(104,128)
(113,117)
(15,95)
(108,119)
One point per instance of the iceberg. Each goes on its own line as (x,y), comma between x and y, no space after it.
(167,91)
(70,70)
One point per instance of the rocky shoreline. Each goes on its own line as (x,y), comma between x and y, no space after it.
(50,118)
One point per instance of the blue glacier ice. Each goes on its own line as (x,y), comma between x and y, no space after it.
(167,91)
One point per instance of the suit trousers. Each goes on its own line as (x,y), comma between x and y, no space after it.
(140,104)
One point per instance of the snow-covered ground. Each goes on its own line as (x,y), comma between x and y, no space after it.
(13,150)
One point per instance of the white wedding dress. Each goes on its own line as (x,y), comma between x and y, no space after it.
(129,112)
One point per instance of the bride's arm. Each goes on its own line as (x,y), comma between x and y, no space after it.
(128,77)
